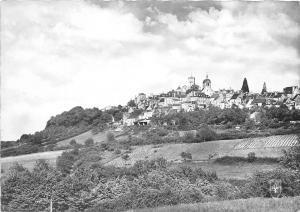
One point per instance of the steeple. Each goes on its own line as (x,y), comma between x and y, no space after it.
(264,90)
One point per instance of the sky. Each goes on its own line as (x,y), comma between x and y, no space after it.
(58,54)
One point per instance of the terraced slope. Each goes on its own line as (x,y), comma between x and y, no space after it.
(262,147)
(268,142)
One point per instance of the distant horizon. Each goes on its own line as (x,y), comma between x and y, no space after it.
(60,54)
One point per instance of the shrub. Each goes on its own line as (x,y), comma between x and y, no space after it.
(226,191)
(73,142)
(251,157)
(161,132)
(50,147)
(110,136)
(189,137)
(89,142)
(187,156)
(64,163)
(125,157)
(259,184)
(232,160)
(249,124)
(291,158)
(205,133)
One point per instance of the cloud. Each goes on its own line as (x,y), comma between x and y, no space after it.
(60,54)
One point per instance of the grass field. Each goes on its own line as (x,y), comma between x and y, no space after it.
(291,204)
(200,153)
(28,161)
(98,138)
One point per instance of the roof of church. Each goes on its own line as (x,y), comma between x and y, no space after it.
(206,80)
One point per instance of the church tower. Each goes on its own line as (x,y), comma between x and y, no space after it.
(206,82)
(207,87)
(191,80)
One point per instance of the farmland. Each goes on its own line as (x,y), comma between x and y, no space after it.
(291,204)
(202,154)
(203,151)
(98,138)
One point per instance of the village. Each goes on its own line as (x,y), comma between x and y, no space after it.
(192,97)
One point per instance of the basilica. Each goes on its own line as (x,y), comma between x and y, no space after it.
(193,89)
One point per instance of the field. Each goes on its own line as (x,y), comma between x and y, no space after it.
(98,138)
(202,153)
(29,160)
(291,204)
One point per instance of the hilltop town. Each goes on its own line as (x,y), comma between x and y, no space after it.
(192,97)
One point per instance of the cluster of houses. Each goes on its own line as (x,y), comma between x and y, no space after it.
(191,97)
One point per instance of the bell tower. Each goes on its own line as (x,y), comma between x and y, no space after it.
(191,81)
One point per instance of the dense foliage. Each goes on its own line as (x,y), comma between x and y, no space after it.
(62,126)
(80,182)
(291,158)
(194,119)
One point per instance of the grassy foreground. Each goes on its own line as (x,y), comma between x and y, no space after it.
(291,204)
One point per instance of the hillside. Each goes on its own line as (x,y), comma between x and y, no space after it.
(98,138)
(262,147)
(291,204)
(201,152)
(76,123)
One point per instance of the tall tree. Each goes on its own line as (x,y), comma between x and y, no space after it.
(245,88)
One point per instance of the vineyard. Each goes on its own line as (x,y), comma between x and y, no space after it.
(268,142)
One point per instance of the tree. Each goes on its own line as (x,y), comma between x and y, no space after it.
(187,156)
(291,157)
(64,163)
(89,142)
(131,103)
(73,142)
(125,157)
(264,89)
(25,190)
(205,133)
(245,88)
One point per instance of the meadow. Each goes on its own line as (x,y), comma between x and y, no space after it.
(203,154)
(291,204)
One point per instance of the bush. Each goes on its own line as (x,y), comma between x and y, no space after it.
(64,163)
(187,156)
(50,147)
(249,124)
(259,185)
(89,142)
(228,160)
(189,137)
(291,158)
(125,157)
(110,136)
(205,133)
(161,132)
(73,142)
(251,157)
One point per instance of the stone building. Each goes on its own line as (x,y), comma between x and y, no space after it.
(207,87)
